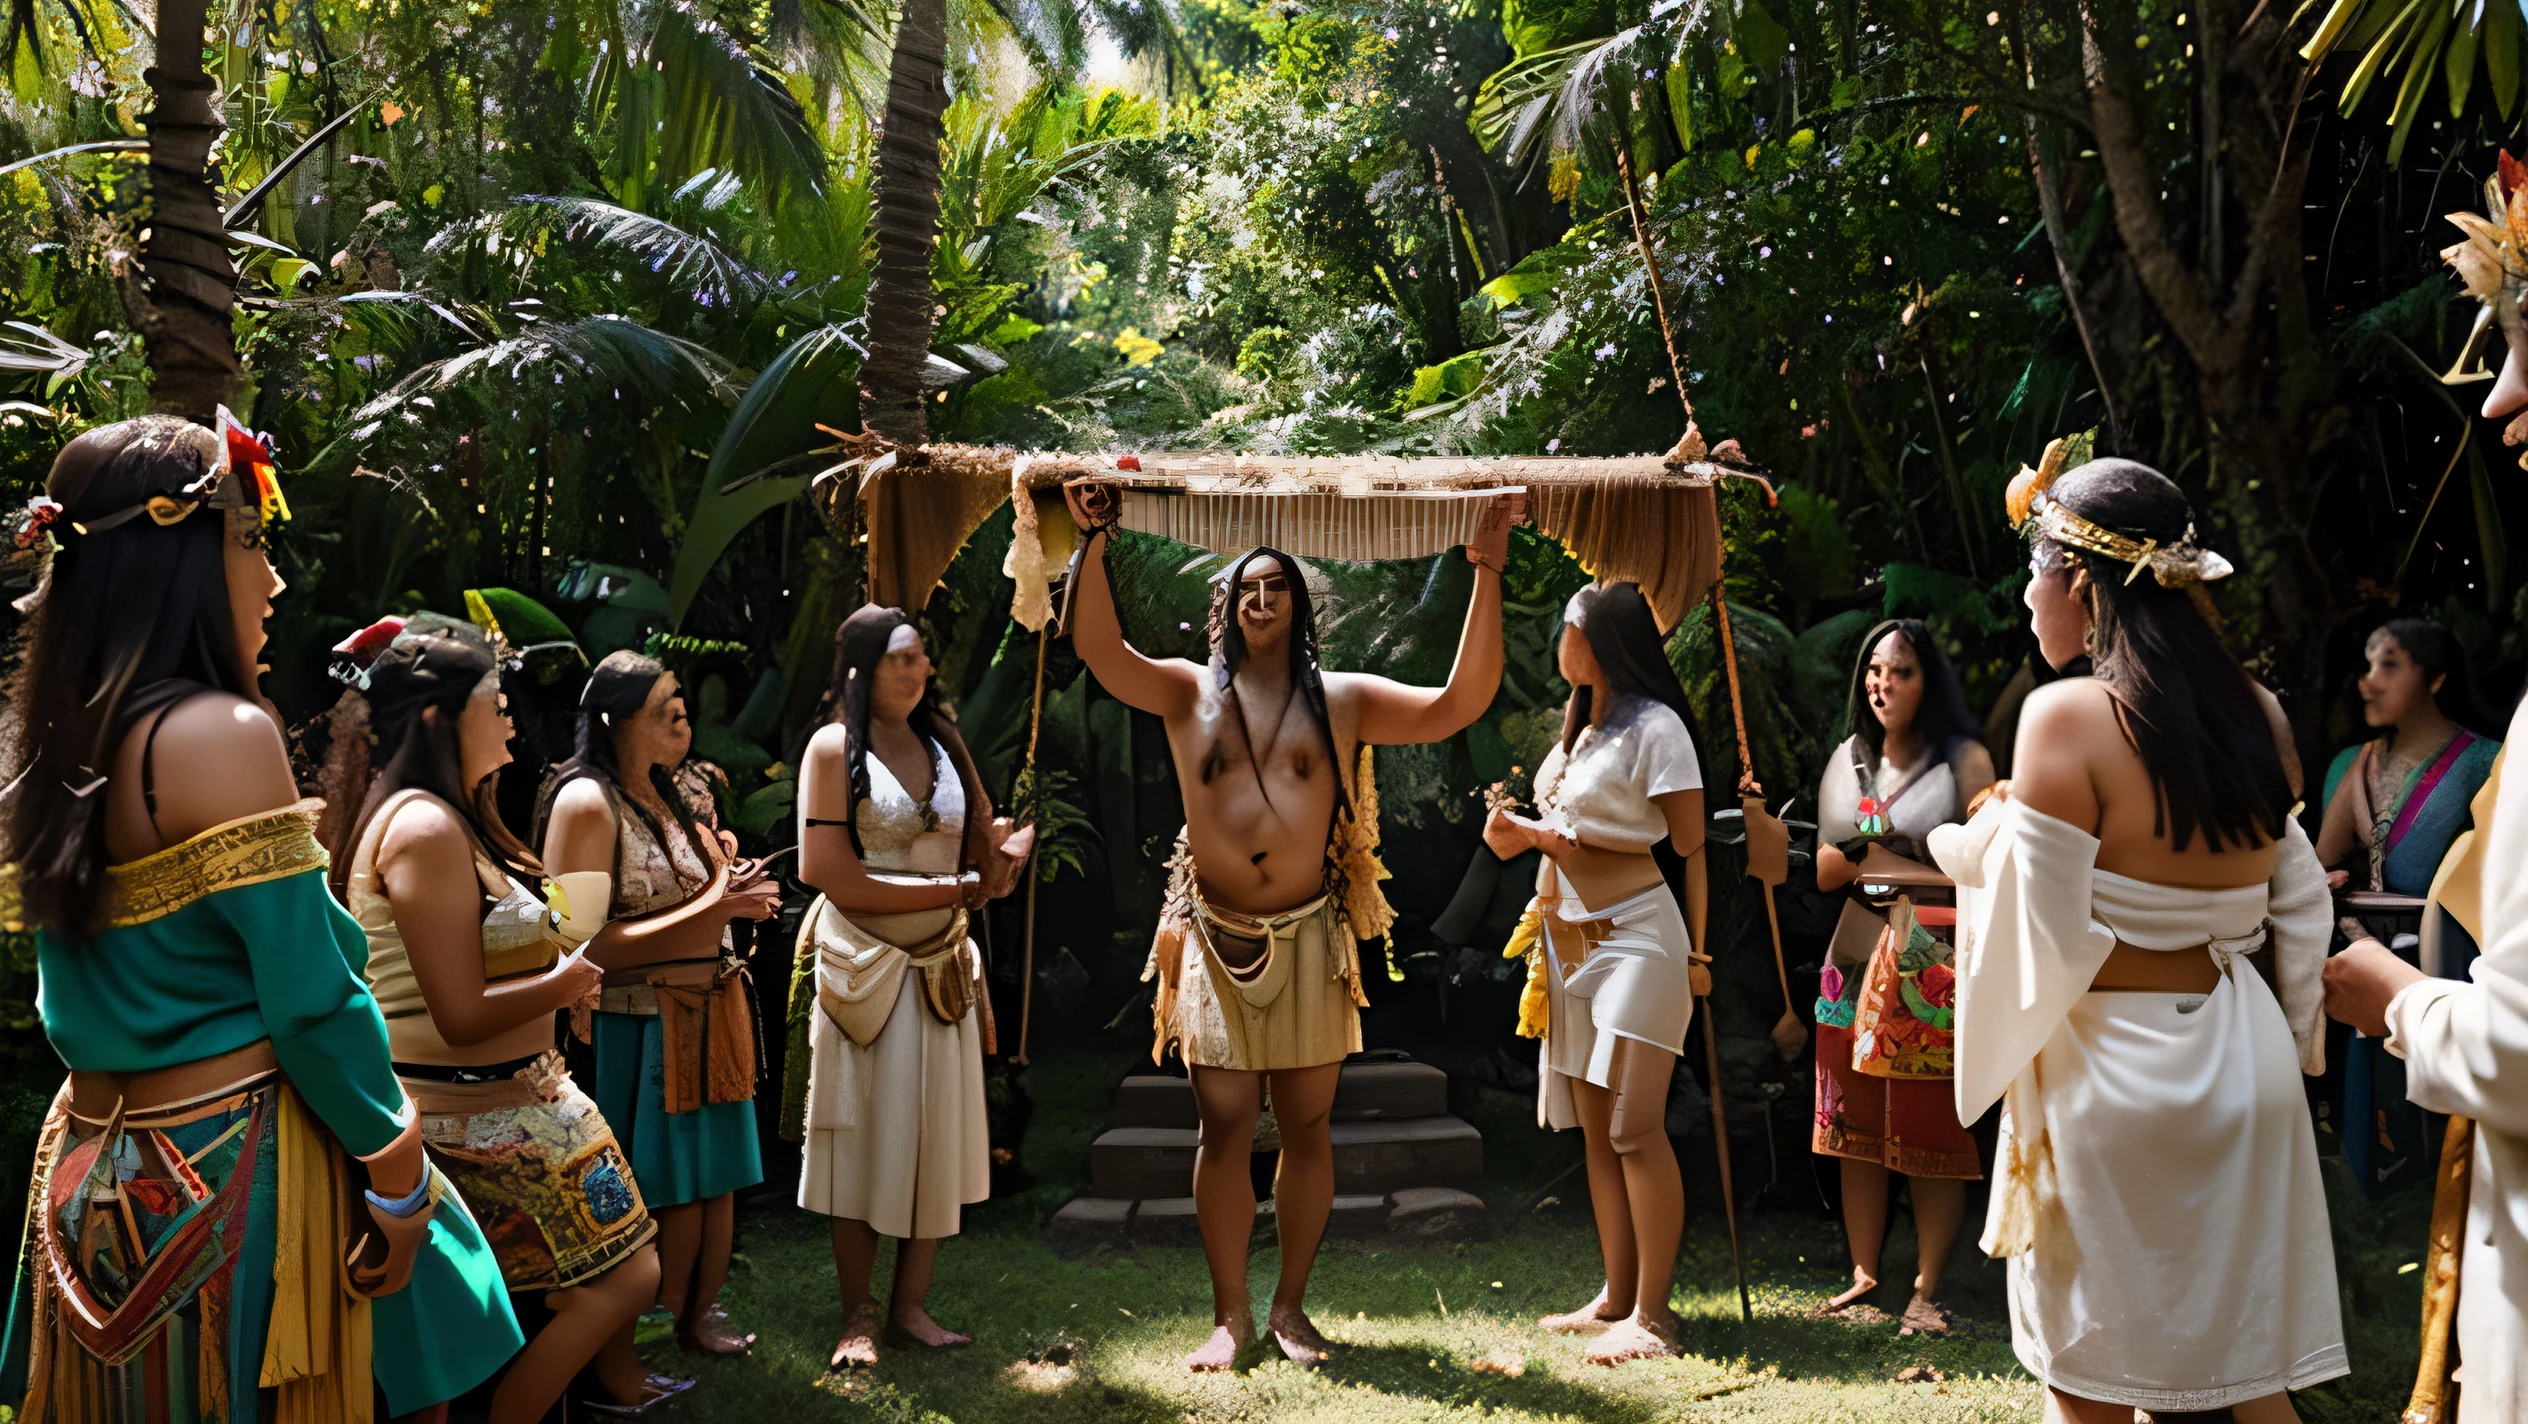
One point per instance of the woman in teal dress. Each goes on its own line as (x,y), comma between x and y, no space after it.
(231,1130)
(674,1034)
(2393,805)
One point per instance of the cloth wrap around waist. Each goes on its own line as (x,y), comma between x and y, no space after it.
(859,980)
(118,1255)
(2033,932)
(706,1021)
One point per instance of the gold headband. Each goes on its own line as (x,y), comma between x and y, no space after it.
(2035,512)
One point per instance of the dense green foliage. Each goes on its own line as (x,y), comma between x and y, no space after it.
(568,294)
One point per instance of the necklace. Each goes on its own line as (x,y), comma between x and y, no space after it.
(1246,733)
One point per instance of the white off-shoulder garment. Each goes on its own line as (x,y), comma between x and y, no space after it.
(2156,1188)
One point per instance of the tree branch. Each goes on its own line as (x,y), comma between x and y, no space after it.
(2176,289)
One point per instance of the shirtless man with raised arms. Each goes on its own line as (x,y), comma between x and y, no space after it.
(1257,953)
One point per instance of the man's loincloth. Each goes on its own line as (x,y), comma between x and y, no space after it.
(1296,1004)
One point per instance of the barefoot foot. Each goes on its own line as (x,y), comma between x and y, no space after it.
(1861,1287)
(913,1320)
(1588,1319)
(713,1335)
(1220,1352)
(1923,1316)
(1298,1336)
(859,1345)
(1635,1338)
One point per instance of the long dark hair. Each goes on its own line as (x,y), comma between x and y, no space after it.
(2190,711)
(2429,643)
(1624,637)
(122,610)
(618,688)
(859,644)
(1228,650)
(388,744)
(1942,720)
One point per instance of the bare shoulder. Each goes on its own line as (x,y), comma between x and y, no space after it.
(582,804)
(826,761)
(1974,764)
(425,827)
(216,757)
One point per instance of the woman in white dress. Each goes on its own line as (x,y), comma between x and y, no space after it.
(2156,1188)
(897,836)
(1619,973)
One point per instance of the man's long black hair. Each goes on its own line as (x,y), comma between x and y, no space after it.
(1228,652)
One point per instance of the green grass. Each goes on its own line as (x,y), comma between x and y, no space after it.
(1411,1324)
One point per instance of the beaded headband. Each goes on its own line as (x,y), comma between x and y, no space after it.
(241,452)
(2034,513)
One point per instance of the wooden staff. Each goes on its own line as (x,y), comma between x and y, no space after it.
(1027,956)
(2434,1397)
(1747,783)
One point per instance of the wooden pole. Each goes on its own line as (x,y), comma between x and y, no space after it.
(1747,783)
(1027,958)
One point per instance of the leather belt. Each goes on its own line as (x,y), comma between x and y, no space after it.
(94,1092)
(2131,968)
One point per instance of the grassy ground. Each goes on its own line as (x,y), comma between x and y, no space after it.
(1432,1333)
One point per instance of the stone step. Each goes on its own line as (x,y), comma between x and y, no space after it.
(1373,1157)
(1365,1092)
(1414,1215)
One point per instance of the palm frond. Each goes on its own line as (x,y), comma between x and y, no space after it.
(808,384)
(1053,33)
(685,258)
(723,105)
(31,350)
(606,350)
(2416,46)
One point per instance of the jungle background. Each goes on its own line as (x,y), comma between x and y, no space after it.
(546,301)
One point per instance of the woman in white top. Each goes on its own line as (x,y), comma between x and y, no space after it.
(1911,764)
(2156,1189)
(1619,986)
(895,831)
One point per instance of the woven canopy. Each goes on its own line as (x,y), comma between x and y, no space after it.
(1649,519)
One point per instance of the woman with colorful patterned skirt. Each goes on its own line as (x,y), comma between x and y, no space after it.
(1911,764)
(232,1130)
(2394,804)
(675,1029)
(470,968)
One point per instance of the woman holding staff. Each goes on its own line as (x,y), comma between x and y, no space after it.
(230,1084)
(1911,764)
(470,969)
(899,839)
(674,1036)
(1617,956)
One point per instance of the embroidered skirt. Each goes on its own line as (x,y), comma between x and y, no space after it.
(204,1283)
(540,1169)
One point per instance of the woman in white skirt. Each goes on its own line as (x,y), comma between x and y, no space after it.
(896,834)
(2156,1189)
(1618,972)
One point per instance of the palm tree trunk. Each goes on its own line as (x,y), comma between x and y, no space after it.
(905,197)
(187,286)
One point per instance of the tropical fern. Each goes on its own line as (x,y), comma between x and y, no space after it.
(2420,45)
